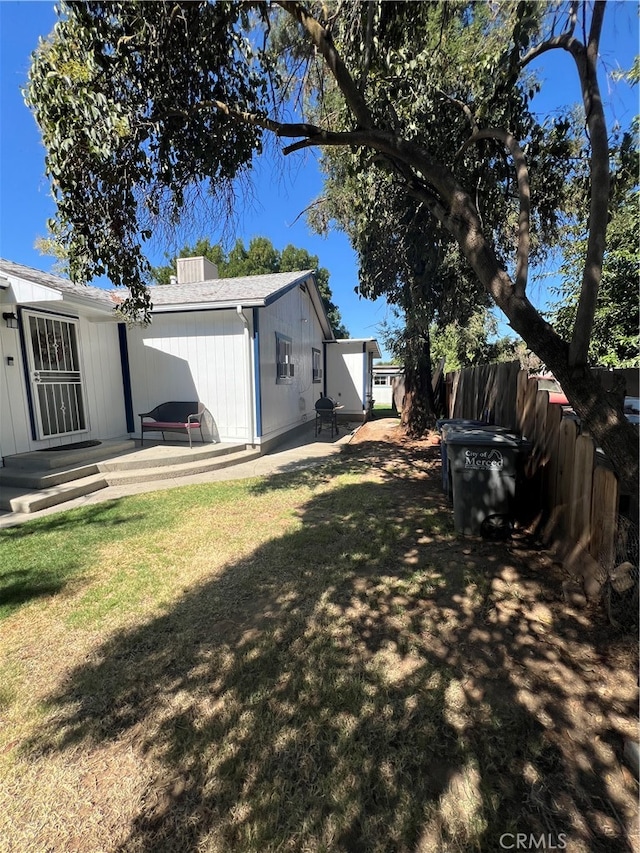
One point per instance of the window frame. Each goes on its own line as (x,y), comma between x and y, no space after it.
(316,365)
(285,366)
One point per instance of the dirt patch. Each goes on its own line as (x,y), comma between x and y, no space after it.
(384,429)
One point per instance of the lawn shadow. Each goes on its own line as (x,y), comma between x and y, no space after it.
(412,693)
(102,514)
(20,586)
(39,565)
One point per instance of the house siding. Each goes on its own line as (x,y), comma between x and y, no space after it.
(102,385)
(287,405)
(198,355)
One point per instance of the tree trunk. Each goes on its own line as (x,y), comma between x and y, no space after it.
(418,411)
(600,411)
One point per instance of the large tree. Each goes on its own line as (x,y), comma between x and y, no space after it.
(140,102)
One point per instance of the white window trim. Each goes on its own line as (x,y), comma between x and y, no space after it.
(285,367)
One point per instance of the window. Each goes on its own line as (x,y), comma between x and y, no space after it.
(380,380)
(284,359)
(316,363)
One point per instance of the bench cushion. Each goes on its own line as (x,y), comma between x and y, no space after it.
(169,425)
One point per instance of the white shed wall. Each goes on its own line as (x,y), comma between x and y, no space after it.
(346,382)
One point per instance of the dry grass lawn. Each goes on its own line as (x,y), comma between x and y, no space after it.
(307,662)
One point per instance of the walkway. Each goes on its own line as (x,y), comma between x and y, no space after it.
(304,451)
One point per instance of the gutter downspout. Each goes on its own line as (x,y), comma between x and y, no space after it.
(249,372)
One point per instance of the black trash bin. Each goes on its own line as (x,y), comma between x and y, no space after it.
(442,425)
(484,466)
(457,426)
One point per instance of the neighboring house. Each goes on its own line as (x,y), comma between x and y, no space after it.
(384,379)
(254,350)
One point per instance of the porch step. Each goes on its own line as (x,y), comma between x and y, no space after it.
(18,500)
(22,490)
(25,478)
(40,460)
(162,456)
(162,472)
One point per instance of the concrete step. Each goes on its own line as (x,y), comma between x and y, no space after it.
(19,500)
(23,478)
(42,460)
(159,456)
(186,469)
(24,498)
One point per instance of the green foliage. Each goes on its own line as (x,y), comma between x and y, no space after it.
(121,107)
(614,340)
(260,258)
(423,63)
(470,343)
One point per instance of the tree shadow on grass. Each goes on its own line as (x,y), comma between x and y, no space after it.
(410,692)
(109,513)
(20,586)
(36,561)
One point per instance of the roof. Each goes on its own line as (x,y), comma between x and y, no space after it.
(253,291)
(371,344)
(56,282)
(250,291)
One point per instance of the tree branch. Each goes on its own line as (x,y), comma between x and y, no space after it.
(586,62)
(564,41)
(321,38)
(524,194)
(586,59)
(463,108)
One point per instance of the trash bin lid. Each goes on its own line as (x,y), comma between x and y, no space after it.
(462,422)
(483,437)
(450,429)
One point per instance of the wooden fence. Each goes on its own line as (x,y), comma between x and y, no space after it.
(487,392)
(575,493)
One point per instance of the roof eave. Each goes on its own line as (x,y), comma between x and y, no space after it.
(176,307)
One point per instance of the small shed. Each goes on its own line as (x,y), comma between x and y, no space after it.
(385,377)
(350,374)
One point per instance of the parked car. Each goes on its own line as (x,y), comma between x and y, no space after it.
(632,410)
(550,383)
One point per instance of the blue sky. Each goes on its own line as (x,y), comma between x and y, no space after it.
(281,194)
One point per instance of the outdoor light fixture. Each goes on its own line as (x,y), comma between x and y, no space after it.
(10,319)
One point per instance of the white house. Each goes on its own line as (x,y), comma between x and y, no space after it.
(385,378)
(257,351)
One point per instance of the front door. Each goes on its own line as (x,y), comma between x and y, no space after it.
(56,380)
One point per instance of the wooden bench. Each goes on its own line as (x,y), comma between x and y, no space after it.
(173,417)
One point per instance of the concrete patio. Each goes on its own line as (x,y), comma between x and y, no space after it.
(41,480)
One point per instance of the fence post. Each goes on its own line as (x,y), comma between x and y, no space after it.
(581,486)
(521,389)
(554,419)
(604,513)
(567,443)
